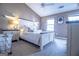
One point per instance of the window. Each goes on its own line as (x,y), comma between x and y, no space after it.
(73,18)
(50,25)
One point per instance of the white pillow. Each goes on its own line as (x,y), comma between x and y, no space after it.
(38,31)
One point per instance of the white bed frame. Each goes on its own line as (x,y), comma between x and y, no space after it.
(40,39)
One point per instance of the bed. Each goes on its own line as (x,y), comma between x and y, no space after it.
(38,38)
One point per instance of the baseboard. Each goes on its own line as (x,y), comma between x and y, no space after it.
(61,38)
(14,40)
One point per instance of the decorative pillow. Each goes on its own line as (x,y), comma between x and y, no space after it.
(38,31)
(29,30)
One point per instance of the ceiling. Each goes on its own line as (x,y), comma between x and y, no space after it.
(45,9)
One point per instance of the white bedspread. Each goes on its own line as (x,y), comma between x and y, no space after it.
(31,37)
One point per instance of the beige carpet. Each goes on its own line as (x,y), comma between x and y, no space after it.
(57,48)
(21,48)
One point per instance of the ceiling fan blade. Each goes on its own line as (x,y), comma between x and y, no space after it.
(46,4)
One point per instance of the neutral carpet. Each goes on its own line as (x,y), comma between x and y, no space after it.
(22,48)
(56,48)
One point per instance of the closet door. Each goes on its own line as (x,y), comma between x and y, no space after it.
(73,39)
(69,39)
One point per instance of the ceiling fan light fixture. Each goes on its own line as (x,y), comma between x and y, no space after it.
(61,7)
(46,4)
(42,4)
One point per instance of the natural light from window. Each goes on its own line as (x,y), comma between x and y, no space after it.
(50,25)
(73,18)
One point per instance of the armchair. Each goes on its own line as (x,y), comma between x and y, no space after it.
(6,43)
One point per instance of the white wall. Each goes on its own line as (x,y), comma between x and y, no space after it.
(60,29)
(20,9)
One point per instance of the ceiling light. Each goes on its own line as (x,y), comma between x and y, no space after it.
(61,7)
(46,4)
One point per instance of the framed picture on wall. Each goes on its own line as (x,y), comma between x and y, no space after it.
(60,20)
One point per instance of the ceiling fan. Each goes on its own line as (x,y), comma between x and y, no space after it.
(51,4)
(46,4)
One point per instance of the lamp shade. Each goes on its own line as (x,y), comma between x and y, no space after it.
(13,21)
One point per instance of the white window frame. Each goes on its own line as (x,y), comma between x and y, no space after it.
(73,18)
(50,24)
